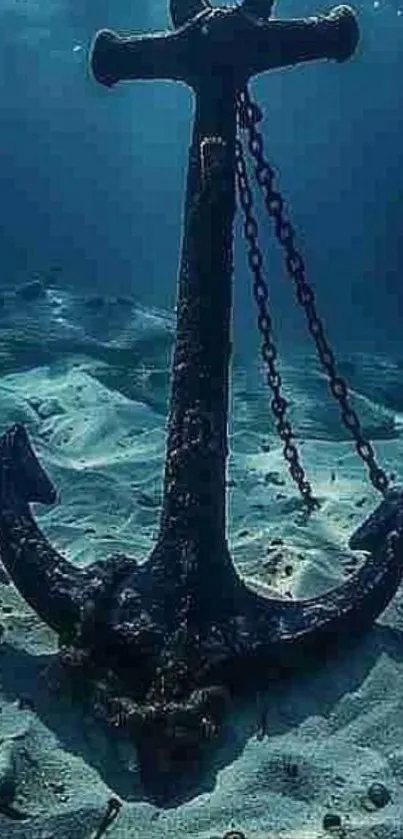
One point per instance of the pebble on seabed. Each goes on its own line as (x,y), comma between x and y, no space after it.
(331,821)
(378,795)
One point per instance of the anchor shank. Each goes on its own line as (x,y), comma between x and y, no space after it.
(194,483)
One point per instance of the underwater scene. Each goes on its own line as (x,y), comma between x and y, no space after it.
(201,419)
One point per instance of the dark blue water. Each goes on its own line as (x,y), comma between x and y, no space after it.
(91,180)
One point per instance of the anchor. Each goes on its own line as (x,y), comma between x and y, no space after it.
(163,645)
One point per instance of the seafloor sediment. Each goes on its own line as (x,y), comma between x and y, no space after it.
(88,376)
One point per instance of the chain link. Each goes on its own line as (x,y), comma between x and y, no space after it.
(249,115)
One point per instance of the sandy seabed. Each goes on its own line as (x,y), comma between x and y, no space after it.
(88,377)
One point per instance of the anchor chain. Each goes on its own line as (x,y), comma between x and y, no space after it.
(279,404)
(249,115)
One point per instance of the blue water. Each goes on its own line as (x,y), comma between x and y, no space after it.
(91,178)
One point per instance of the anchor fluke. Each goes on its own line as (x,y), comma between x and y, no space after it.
(23,480)
(58,591)
(387,517)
